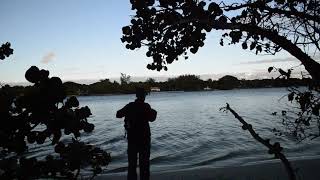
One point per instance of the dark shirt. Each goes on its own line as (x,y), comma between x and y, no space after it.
(137,116)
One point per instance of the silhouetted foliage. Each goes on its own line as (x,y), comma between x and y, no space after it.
(186,83)
(125,79)
(44,113)
(171,29)
(151,81)
(5,50)
(303,120)
(228,82)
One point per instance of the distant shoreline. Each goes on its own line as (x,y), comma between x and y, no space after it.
(173,91)
(185,83)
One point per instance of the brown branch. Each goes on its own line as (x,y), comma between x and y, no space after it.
(273,149)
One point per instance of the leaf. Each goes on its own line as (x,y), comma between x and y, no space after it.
(258,49)
(244,45)
(221,42)
(253,45)
(270,69)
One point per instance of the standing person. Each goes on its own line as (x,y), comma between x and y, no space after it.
(137,116)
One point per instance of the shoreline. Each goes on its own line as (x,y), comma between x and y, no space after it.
(172,91)
(307,169)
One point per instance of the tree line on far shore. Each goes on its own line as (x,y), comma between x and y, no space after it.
(180,83)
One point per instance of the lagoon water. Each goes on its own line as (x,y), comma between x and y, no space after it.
(190,131)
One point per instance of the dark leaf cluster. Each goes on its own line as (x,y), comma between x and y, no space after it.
(5,50)
(44,113)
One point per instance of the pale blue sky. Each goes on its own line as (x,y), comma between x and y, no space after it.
(80,39)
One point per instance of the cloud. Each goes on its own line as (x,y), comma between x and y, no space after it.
(289,59)
(276,60)
(48,57)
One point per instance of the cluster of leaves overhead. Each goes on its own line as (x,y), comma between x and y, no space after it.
(43,113)
(5,50)
(165,36)
(173,28)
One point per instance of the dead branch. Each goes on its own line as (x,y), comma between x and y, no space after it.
(273,149)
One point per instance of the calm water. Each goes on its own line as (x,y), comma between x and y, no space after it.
(190,131)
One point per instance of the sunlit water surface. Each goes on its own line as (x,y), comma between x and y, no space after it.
(190,131)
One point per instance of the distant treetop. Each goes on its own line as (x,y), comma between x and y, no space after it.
(228,78)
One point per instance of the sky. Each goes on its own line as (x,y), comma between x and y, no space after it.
(79,40)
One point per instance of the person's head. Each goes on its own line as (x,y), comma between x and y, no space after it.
(141,93)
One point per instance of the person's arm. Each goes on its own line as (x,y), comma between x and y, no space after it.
(122,112)
(152,114)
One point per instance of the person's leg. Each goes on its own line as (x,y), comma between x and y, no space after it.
(132,161)
(144,164)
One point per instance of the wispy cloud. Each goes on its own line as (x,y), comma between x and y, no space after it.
(265,61)
(276,60)
(48,57)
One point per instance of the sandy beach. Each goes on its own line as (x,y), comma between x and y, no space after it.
(307,169)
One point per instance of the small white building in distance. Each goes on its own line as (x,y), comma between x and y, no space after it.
(154,89)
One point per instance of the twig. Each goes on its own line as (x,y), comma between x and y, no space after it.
(273,149)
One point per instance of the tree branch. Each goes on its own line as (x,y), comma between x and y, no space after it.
(273,149)
(310,64)
(263,5)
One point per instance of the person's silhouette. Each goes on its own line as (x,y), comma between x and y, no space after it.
(137,116)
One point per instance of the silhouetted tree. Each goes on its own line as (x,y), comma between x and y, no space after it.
(151,81)
(125,79)
(228,82)
(186,83)
(171,29)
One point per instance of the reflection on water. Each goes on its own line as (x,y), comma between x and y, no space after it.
(190,131)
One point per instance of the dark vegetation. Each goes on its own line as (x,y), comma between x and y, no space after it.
(180,83)
(172,29)
(42,114)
